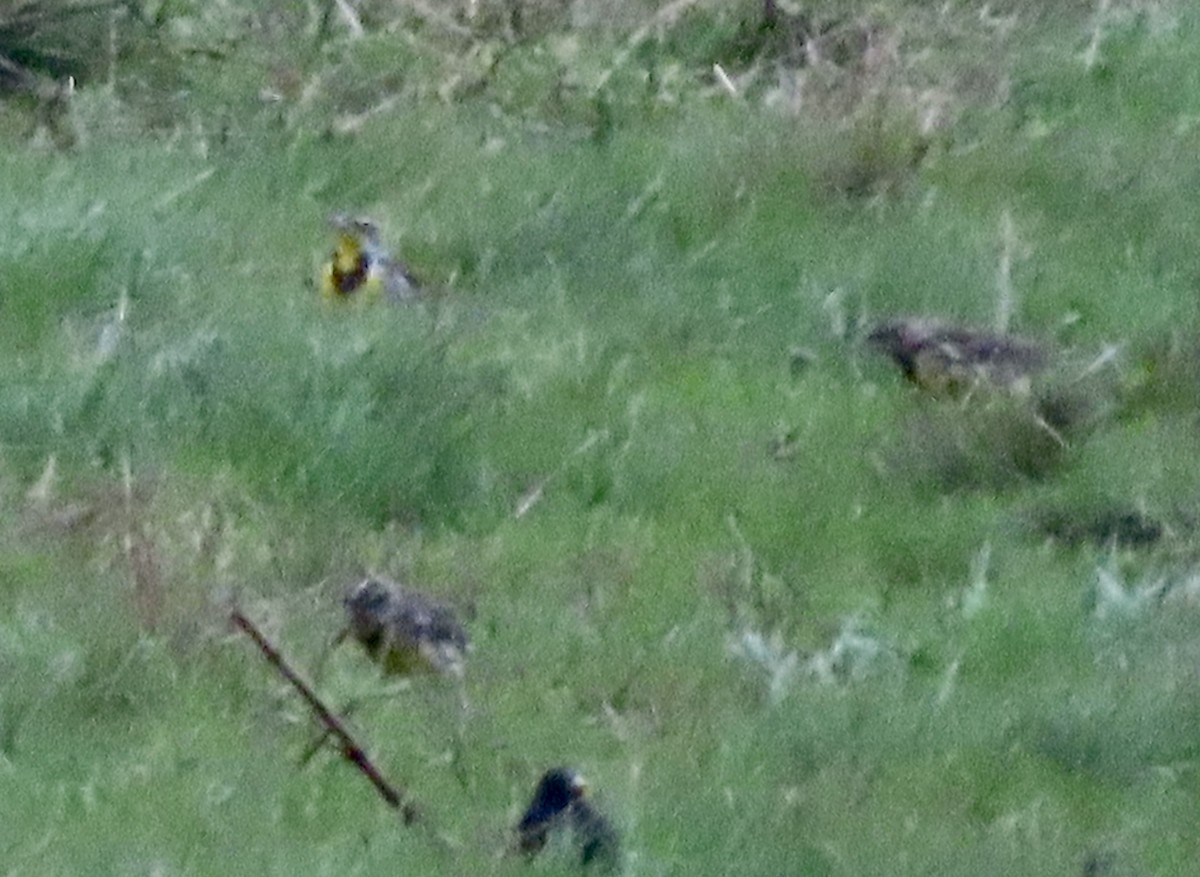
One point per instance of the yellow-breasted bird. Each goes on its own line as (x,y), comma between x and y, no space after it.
(953,360)
(560,803)
(361,268)
(404,630)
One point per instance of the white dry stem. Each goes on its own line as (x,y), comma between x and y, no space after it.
(834,305)
(1107,355)
(534,495)
(113,48)
(434,13)
(40,492)
(175,194)
(769,655)
(351,123)
(1091,55)
(644,198)
(724,81)
(1005,293)
(949,680)
(350,17)
(1115,598)
(975,596)
(1040,423)
(529,499)
(633,412)
(113,330)
(847,656)
(745,554)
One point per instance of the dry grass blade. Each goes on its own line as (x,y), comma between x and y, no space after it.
(351,751)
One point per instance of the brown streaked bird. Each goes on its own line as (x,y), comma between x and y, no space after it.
(403,630)
(361,269)
(559,804)
(954,360)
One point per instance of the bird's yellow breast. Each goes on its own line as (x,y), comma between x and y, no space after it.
(350,273)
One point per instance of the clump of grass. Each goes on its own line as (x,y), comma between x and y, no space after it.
(375,430)
(1165,376)
(54,40)
(994,447)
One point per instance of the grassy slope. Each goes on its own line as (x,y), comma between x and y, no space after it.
(618,332)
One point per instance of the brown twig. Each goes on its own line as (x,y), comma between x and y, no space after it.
(350,750)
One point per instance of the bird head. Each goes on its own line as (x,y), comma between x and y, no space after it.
(357,228)
(902,335)
(903,340)
(366,605)
(556,791)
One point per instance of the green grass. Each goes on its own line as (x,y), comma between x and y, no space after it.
(787,618)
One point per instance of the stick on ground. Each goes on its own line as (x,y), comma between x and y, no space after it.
(351,751)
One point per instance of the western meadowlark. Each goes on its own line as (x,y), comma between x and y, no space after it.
(559,803)
(405,631)
(954,360)
(360,267)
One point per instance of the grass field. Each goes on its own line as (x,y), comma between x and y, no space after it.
(787,613)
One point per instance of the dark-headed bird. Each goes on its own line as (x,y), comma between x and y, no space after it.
(361,269)
(404,630)
(560,804)
(954,360)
